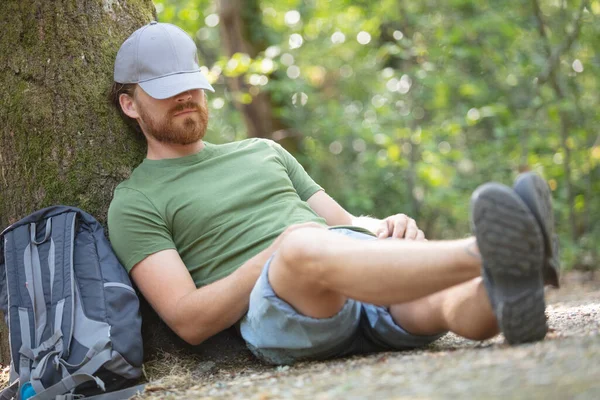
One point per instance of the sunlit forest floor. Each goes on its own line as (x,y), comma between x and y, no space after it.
(565,365)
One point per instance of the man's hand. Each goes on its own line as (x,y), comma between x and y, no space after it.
(399,226)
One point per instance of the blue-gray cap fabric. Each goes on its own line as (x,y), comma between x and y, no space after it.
(162,59)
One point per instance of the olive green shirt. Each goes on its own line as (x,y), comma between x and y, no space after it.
(217,208)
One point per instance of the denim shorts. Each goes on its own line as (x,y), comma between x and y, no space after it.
(277,334)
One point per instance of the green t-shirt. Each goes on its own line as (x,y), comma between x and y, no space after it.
(217,208)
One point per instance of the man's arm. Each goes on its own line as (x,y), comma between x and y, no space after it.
(396,226)
(195,314)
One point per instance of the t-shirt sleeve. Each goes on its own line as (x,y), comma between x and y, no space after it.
(303,183)
(136,228)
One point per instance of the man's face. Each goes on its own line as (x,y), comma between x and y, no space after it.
(181,119)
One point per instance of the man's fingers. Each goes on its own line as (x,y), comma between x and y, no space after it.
(420,235)
(411,230)
(382,233)
(386,228)
(400,225)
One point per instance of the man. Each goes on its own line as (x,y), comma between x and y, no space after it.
(215,235)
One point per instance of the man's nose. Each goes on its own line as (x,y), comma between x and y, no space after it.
(184,96)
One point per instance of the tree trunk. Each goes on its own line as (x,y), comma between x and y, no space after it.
(60,140)
(240,29)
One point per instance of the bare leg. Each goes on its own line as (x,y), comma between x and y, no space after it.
(463,309)
(315,270)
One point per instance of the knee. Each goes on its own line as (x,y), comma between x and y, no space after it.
(300,254)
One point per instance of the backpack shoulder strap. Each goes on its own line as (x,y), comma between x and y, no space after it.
(22,308)
(10,392)
(59,253)
(39,278)
(60,263)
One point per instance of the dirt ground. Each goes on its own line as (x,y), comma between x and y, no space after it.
(564,366)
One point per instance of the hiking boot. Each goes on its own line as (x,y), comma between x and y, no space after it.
(535,193)
(512,250)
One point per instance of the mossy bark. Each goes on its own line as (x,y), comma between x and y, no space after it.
(61,142)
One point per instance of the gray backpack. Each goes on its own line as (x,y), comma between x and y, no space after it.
(73,317)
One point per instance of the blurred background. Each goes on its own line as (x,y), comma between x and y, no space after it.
(407,106)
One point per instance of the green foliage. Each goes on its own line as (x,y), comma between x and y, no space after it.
(408,106)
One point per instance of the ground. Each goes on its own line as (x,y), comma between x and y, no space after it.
(566,365)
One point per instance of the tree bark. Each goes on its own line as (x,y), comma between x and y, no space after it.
(240,29)
(61,142)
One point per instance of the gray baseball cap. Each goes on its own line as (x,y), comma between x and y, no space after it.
(162,59)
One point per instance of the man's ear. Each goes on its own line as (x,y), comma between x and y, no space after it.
(128,106)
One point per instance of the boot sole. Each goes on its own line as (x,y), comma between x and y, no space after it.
(535,193)
(512,248)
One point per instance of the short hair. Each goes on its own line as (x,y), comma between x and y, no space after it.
(116,91)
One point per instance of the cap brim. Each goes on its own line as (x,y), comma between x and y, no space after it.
(169,86)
